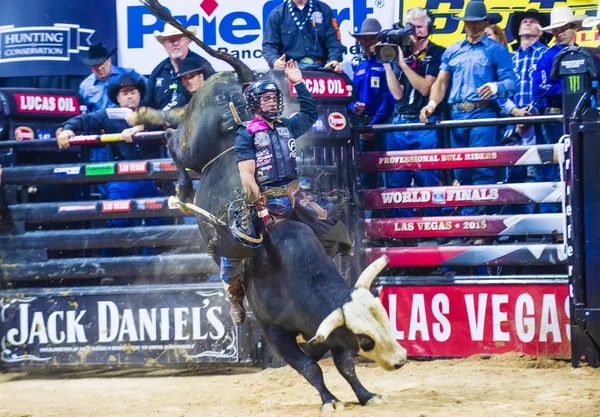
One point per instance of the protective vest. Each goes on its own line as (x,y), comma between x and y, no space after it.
(275,151)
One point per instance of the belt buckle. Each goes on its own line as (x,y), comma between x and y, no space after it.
(467,106)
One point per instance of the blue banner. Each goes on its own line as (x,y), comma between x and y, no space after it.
(143,325)
(48,37)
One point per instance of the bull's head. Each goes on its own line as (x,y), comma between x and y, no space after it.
(366,318)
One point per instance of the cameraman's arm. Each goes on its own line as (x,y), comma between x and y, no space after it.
(421,84)
(396,89)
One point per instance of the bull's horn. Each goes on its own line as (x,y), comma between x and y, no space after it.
(366,278)
(331,322)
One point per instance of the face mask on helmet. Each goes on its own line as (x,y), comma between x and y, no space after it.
(252,96)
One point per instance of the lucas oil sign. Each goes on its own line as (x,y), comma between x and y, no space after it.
(232,26)
(161,324)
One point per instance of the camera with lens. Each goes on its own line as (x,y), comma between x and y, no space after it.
(391,39)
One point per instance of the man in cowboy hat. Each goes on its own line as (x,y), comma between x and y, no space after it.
(410,82)
(375,102)
(526,28)
(192,75)
(480,71)
(94,89)
(547,91)
(164,90)
(305,31)
(593,21)
(126,93)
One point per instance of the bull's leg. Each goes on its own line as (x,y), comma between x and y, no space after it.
(344,362)
(285,344)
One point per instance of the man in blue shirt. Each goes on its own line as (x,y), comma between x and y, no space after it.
(375,102)
(481,72)
(410,82)
(526,27)
(547,92)
(305,31)
(94,89)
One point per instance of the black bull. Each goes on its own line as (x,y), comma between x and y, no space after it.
(292,286)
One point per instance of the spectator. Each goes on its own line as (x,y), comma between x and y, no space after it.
(526,27)
(94,89)
(375,101)
(127,94)
(192,75)
(496,33)
(547,92)
(410,83)
(480,72)
(164,90)
(305,31)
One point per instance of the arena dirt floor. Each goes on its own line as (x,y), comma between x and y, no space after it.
(507,385)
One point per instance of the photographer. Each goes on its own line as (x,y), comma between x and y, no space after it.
(409,80)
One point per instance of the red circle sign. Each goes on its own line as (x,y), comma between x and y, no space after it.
(24,133)
(337,121)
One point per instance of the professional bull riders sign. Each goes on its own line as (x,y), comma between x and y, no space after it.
(120,325)
(47,37)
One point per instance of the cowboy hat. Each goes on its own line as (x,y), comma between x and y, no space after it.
(171,30)
(97,54)
(189,65)
(369,27)
(562,16)
(125,81)
(592,21)
(518,17)
(476,12)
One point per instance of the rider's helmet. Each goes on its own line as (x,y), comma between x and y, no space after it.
(252,96)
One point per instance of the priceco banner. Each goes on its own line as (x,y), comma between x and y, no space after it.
(47,37)
(229,25)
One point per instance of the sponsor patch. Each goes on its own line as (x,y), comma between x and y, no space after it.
(132,167)
(375,82)
(292,147)
(62,172)
(283,132)
(262,176)
(159,82)
(24,133)
(100,169)
(337,121)
(261,139)
(116,206)
(317,17)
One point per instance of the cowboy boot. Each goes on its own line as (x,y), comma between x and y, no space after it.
(235,295)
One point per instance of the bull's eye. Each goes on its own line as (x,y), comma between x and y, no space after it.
(365,342)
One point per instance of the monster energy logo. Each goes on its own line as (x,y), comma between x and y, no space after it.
(574,83)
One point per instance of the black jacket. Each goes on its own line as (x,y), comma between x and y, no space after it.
(163,91)
(319,39)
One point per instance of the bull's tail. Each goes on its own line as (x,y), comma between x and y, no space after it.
(244,73)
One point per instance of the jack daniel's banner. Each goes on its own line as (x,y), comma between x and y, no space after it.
(48,37)
(116,325)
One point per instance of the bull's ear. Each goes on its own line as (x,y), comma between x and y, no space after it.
(365,342)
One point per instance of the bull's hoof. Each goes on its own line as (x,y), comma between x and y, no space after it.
(332,406)
(376,400)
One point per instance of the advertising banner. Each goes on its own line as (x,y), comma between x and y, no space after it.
(46,37)
(228,25)
(448,30)
(464,320)
(119,325)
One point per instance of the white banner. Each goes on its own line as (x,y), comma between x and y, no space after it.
(232,25)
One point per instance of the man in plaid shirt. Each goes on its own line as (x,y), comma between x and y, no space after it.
(526,27)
